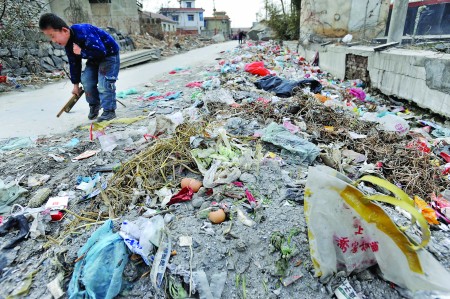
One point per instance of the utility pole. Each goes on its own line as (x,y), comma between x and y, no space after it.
(398,19)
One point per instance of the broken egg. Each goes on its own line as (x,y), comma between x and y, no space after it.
(217,217)
(194,184)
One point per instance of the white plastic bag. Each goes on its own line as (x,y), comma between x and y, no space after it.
(394,123)
(349,232)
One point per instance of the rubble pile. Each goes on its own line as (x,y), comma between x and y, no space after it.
(209,187)
(171,45)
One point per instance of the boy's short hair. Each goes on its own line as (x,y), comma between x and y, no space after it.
(51,21)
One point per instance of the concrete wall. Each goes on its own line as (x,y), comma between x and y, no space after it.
(73,11)
(120,14)
(125,16)
(422,77)
(336,18)
(214,26)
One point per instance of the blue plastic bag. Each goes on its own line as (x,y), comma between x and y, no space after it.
(98,274)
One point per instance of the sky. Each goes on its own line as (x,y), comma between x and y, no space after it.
(241,12)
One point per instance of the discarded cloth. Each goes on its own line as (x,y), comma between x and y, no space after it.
(18,221)
(284,88)
(276,134)
(98,272)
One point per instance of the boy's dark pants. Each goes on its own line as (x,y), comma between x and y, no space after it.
(99,81)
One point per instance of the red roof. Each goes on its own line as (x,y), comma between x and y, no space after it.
(181,9)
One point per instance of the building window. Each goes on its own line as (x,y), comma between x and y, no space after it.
(189,4)
(99,1)
(190,17)
(164,26)
(175,18)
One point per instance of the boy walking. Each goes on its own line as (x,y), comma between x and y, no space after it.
(84,41)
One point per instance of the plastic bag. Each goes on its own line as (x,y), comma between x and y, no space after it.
(98,272)
(142,234)
(394,123)
(349,232)
(257,68)
(306,151)
(8,194)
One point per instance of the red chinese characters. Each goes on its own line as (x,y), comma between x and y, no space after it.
(343,243)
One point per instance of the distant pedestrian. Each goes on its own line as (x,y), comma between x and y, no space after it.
(84,41)
(241,35)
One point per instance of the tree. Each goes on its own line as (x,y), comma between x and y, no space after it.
(285,22)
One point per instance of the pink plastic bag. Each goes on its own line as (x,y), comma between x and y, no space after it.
(358,93)
(257,68)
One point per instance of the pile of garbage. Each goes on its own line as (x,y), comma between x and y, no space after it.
(258,176)
(171,44)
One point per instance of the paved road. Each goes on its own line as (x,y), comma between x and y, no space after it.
(33,113)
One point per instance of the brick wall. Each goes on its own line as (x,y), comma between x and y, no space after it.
(356,67)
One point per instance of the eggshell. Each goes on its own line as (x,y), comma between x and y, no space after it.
(194,184)
(217,217)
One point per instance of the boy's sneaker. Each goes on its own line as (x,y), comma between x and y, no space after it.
(106,115)
(93,111)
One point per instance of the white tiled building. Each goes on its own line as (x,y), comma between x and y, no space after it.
(190,19)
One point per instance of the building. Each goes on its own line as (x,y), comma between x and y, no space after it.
(219,23)
(156,24)
(122,15)
(190,19)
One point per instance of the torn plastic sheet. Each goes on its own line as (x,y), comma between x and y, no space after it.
(18,143)
(101,261)
(141,235)
(8,194)
(278,135)
(87,184)
(161,261)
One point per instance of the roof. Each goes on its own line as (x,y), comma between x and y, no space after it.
(217,18)
(181,9)
(163,18)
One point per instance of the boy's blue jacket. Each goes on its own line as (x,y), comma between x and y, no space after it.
(95,44)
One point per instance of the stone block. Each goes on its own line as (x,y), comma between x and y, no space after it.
(47,63)
(34,52)
(44,49)
(18,53)
(4,52)
(12,63)
(20,71)
(59,62)
(59,52)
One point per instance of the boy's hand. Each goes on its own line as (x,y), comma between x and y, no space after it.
(76,89)
(76,49)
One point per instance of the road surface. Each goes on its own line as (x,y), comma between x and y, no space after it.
(33,113)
